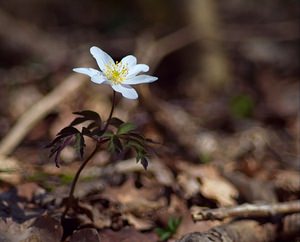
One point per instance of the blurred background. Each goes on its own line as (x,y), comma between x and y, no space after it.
(229,65)
(227,94)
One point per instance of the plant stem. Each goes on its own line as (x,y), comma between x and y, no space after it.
(75,180)
(111,111)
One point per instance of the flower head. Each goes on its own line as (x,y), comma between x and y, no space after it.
(120,75)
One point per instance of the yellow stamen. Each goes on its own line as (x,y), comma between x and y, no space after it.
(116,72)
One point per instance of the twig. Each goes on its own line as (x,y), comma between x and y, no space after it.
(38,111)
(249,231)
(246,211)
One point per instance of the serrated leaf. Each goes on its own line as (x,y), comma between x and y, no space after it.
(116,122)
(144,163)
(108,134)
(117,143)
(58,148)
(139,148)
(85,131)
(79,144)
(78,121)
(90,115)
(125,128)
(135,137)
(92,125)
(56,140)
(97,132)
(65,132)
(69,130)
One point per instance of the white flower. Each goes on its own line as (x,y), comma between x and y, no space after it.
(120,75)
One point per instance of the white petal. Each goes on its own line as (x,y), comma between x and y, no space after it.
(129,60)
(99,78)
(87,71)
(101,57)
(133,71)
(126,91)
(140,79)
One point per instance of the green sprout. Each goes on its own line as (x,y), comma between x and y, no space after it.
(242,106)
(167,232)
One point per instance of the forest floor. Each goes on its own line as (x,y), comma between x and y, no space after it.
(225,161)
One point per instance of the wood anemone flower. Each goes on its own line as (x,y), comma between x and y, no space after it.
(120,75)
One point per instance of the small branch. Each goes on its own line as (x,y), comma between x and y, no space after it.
(247,211)
(249,231)
(39,110)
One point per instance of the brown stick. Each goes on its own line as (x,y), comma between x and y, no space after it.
(247,210)
(30,118)
(248,231)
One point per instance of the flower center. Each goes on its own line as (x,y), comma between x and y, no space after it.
(116,72)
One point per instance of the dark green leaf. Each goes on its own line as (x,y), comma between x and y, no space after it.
(79,144)
(111,146)
(69,130)
(58,147)
(78,121)
(136,137)
(242,106)
(97,132)
(93,125)
(108,134)
(85,131)
(117,144)
(125,128)
(114,145)
(173,224)
(65,132)
(163,234)
(160,231)
(139,147)
(115,122)
(144,163)
(90,115)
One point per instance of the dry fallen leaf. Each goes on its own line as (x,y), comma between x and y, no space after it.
(211,184)
(11,231)
(28,190)
(85,235)
(288,180)
(138,201)
(138,223)
(10,170)
(127,235)
(43,229)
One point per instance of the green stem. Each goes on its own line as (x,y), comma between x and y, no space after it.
(75,180)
